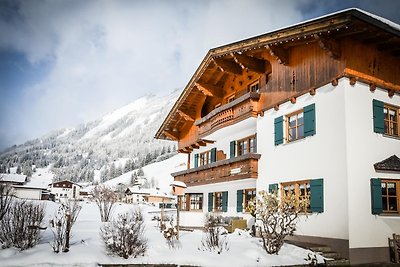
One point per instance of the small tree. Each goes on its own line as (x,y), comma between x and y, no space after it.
(62,223)
(20,225)
(105,199)
(6,196)
(215,238)
(124,236)
(278,217)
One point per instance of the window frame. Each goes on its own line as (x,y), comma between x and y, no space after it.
(386,210)
(248,148)
(297,184)
(297,126)
(204,158)
(252,85)
(198,201)
(230,98)
(246,200)
(217,201)
(387,121)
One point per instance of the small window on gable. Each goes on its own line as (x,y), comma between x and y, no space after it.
(254,87)
(217,105)
(295,126)
(231,98)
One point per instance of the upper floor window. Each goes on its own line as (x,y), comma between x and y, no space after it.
(205,158)
(295,126)
(231,98)
(246,145)
(391,119)
(254,87)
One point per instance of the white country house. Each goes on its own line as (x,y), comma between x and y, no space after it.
(65,190)
(312,108)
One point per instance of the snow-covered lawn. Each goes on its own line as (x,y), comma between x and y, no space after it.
(87,248)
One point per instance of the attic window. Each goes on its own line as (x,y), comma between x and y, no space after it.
(231,98)
(254,87)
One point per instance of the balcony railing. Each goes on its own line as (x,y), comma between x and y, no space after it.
(239,109)
(242,167)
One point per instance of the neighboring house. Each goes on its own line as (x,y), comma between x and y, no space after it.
(65,190)
(31,192)
(312,109)
(135,195)
(13,179)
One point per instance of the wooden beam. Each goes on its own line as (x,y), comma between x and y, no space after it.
(171,135)
(201,143)
(371,79)
(330,45)
(194,146)
(251,63)
(228,66)
(183,151)
(312,91)
(279,53)
(210,90)
(187,149)
(185,116)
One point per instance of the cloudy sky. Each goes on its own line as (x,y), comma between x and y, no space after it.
(67,62)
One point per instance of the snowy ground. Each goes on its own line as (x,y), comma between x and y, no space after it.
(87,248)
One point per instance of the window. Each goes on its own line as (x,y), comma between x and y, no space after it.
(218,201)
(205,158)
(247,145)
(254,87)
(231,98)
(391,119)
(300,189)
(196,201)
(390,196)
(249,195)
(295,126)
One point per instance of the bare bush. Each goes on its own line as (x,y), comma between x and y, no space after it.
(278,217)
(170,233)
(124,236)
(215,238)
(105,199)
(61,224)
(6,197)
(20,226)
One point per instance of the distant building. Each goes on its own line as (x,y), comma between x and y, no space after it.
(65,190)
(13,179)
(135,195)
(30,192)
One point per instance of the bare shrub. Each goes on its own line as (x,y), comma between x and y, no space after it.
(6,197)
(278,217)
(124,236)
(215,238)
(61,224)
(20,225)
(105,199)
(170,233)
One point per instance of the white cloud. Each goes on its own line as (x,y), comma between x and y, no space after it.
(104,54)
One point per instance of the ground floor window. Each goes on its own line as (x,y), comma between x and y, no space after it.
(299,189)
(390,196)
(218,201)
(249,196)
(191,202)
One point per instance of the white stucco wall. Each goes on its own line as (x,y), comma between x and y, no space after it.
(364,148)
(196,218)
(224,136)
(320,156)
(57,191)
(28,193)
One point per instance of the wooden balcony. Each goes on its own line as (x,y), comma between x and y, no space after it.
(239,109)
(241,167)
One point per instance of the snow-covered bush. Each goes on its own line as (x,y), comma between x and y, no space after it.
(124,236)
(105,199)
(6,197)
(215,238)
(20,225)
(61,224)
(278,217)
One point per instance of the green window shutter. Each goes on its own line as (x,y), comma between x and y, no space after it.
(232,149)
(272,188)
(278,130)
(309,120)
(376,196)
(196,160)
(239,201)
(379,123)
(225,201)
(213,155)
(317,195)
(210,201)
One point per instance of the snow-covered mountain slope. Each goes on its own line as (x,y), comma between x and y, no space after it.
(76,153)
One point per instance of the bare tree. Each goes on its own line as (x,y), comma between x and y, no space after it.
(105,199)
(20,226)
(215,238)
(62,223)
(6,197)
(278,217)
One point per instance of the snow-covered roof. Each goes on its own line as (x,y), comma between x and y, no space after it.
(65,181)
(30,187)
(179,184)
(13,178)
